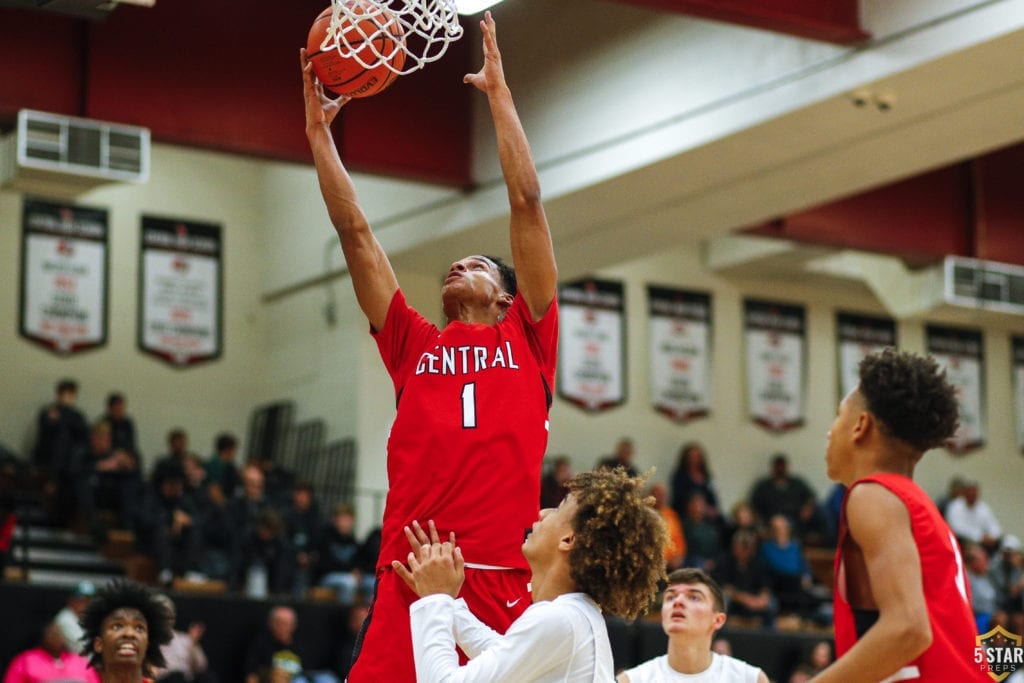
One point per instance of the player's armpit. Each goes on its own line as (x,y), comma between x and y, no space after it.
(879,523)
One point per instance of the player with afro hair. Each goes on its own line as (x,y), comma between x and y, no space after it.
(125,625)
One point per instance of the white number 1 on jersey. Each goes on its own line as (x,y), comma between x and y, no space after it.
(469,405)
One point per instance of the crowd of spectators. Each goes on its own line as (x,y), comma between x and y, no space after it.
(252,526)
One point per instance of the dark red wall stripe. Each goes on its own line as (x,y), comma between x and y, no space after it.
(219,75)
(835,21)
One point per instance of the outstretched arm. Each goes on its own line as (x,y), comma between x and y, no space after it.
(880,525)
(372,276)
(532,253)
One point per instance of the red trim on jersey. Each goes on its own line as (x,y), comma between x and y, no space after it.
(946,593)
(471,429)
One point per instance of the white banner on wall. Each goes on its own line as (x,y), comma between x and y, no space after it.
(680,352)
(180,298)
(1017,349)
(592,345)
(960,352)
(64,261)
(775,336)
(858,336)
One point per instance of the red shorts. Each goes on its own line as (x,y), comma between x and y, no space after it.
(495,596)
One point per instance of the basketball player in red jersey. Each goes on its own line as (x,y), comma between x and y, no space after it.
(902,603)
(471,427)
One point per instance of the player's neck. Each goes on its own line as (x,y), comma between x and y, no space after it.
(548,583)
(689,655)
(471,312)
(121,674)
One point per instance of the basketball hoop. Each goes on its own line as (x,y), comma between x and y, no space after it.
(432,24)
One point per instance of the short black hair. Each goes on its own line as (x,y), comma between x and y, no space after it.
(114,397)
(910,397)
(507,273)
(67,384)
(119,594)
(225,441)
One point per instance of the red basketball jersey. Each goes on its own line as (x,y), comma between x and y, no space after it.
(946,591)
(471,429)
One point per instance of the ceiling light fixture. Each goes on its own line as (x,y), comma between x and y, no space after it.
(474,6)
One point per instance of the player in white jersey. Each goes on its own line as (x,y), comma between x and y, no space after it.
(692,610)
(600,551)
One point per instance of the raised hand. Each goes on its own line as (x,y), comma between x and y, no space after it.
(491,74)
(320,109)
(434,567)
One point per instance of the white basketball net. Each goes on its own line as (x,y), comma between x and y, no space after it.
(435,23)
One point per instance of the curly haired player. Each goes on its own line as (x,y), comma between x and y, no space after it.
(902,603)
(602,549)
(125,625)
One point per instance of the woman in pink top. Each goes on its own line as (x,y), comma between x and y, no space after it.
(50,661)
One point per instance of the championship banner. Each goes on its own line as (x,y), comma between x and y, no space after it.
(960,352)
(1017,363)
(680,352)
(859,336)
(64,265)
(180,302)
(775,363)
(592,344)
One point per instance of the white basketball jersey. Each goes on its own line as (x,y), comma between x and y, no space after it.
(723,669)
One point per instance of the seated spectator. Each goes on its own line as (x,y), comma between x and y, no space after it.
(246,508)
(746,582)
(691,476)
(790,575)
(266,562)
(552,484)
(275,648)
(984,598)
(277,480)
(703,542)
(353,625)
(68,618)
(741,518)
(172,462)
(338,558)
(219,537)
(675,549)
(184,658)
(1007,575)
(972,520)
(221,468)
(954,490)
(110,482)
(831,509)
(305,526)
(781,493)
(622,457)
(122,427)
(62,436)
(816,660)
(50,662)
(169,529)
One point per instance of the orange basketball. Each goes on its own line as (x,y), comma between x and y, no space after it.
(346,76)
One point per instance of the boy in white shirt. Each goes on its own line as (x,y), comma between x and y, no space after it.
(692,610)
(602,549)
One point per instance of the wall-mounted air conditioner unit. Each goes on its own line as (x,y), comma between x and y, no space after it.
(55,154)
(973,283)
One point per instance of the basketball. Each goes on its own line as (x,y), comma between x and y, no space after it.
(377,40)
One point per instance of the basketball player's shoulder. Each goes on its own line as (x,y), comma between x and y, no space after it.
(734,670)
